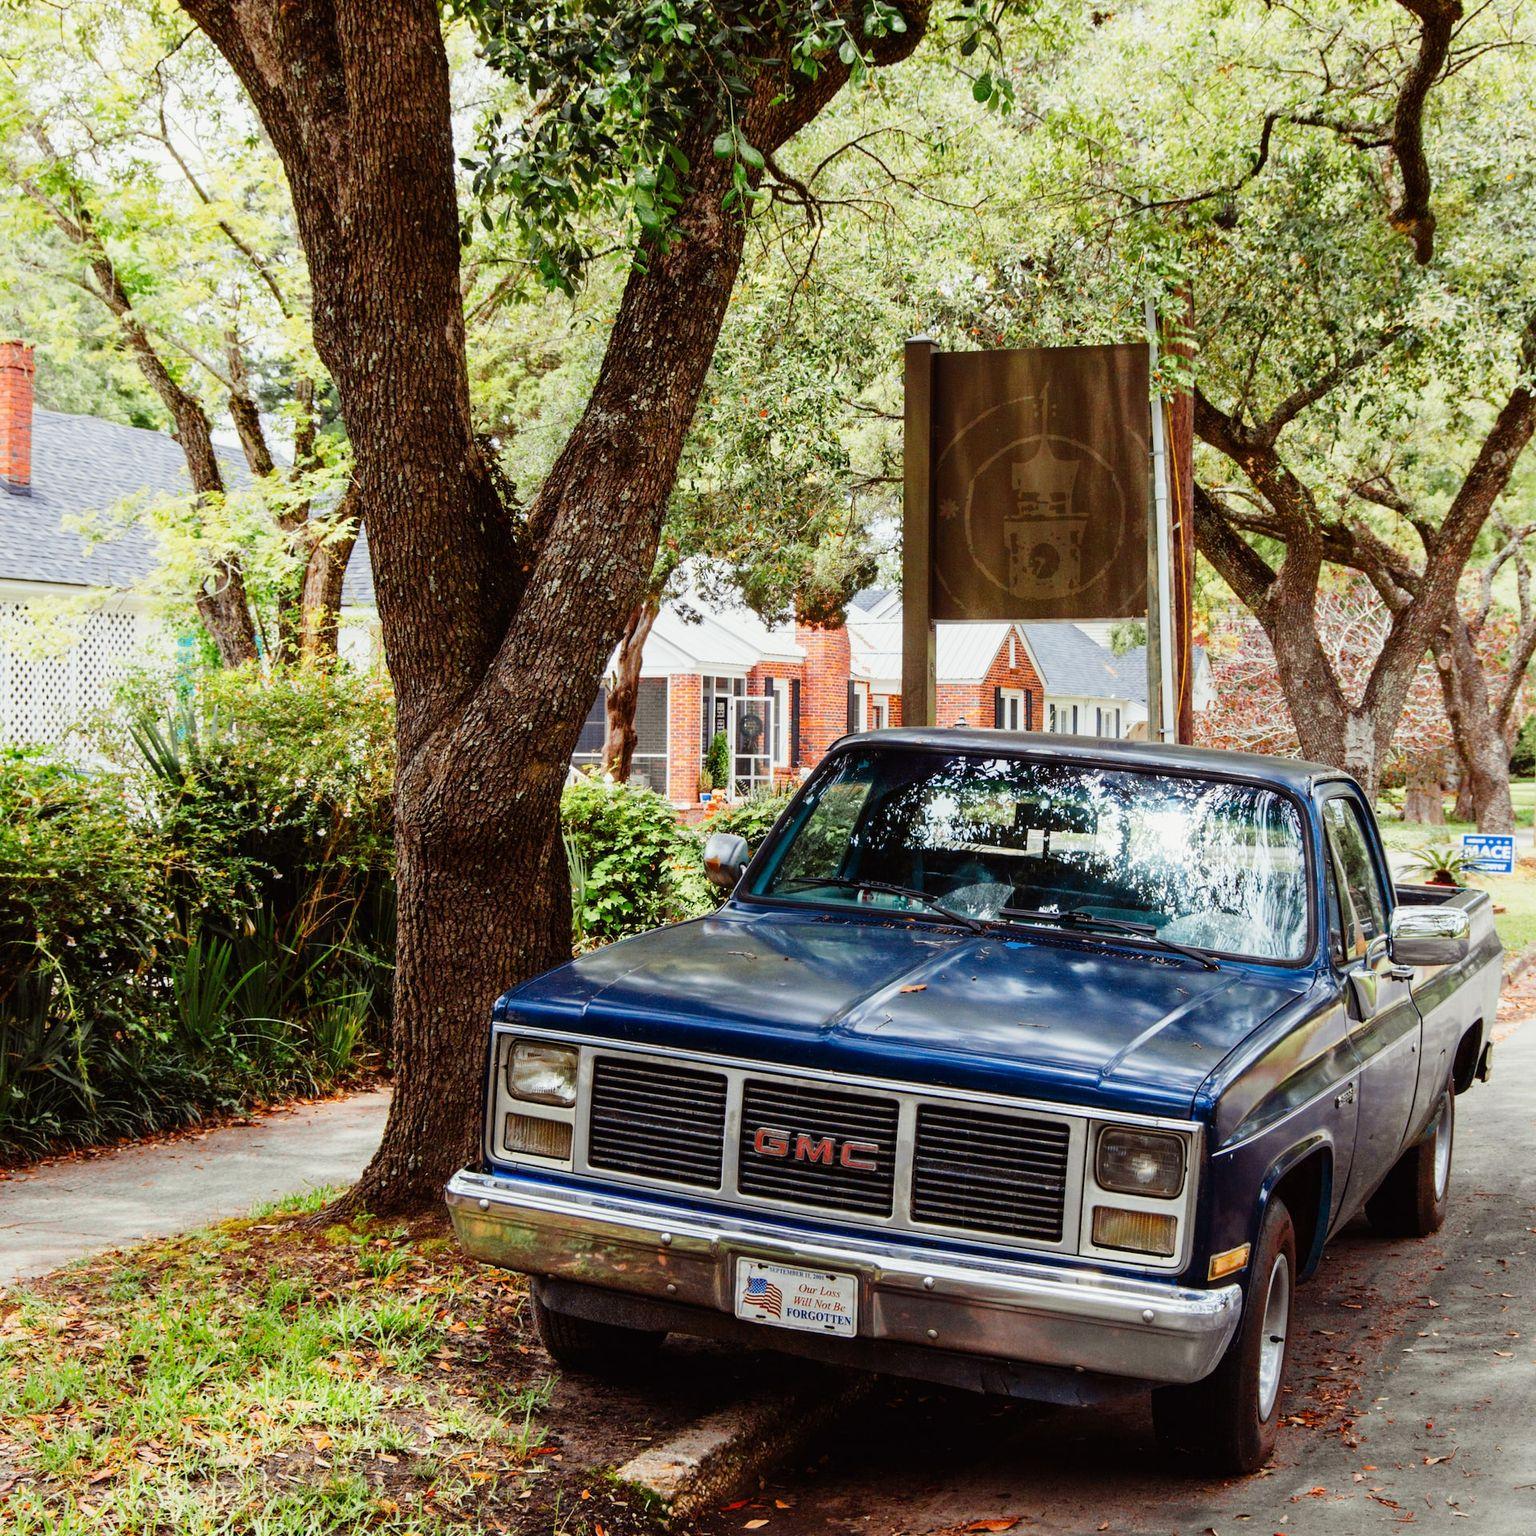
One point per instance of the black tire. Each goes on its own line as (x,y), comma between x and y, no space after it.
(1225,1422)
(598,1349)
(1415,1196)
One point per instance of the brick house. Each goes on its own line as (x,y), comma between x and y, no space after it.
(783,695)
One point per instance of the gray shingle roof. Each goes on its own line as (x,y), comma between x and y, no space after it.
(1133,667)
(1075,664)
(83,465)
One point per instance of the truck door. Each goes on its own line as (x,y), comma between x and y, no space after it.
(1384,1021)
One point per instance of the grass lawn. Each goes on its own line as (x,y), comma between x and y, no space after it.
(262,1377)
(1515,894)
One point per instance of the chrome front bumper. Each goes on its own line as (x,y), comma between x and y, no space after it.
(1000,1308)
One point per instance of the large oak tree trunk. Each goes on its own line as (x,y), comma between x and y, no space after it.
(1483,793)
(619,734)
(496,631)
(1424,794)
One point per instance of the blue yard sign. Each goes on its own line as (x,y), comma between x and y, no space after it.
(1491,853)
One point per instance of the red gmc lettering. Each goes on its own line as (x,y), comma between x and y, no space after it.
(860,1156)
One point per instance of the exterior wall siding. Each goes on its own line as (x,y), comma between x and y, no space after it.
(1019,675)
(823,690)
(685,693)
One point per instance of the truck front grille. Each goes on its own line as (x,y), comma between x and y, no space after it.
(817,1146)
(990,1173)
(897,1158)
(657,1120)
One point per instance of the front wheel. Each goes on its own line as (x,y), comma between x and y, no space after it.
(1229,1422)
(1415,1196)
(600,1349)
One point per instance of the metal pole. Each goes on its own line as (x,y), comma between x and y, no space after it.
(1168,712)
(919,690)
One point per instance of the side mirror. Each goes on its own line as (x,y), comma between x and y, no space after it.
(725,856)
(1430,935)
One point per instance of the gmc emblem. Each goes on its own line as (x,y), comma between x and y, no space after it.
(800,1148)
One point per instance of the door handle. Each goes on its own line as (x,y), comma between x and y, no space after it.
(1345,1096)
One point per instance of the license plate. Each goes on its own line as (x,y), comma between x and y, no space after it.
(785,1297)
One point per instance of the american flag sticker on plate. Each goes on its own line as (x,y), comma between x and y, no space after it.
(784,1296)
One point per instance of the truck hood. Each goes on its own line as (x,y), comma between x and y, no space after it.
(1069,1020)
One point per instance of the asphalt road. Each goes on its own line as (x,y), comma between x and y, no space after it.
(1411,1405)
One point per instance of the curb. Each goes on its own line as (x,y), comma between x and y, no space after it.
(1519,966)
(723,1454)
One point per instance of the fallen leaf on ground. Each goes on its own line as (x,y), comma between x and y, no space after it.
(991,1525)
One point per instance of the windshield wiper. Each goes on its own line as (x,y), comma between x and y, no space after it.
(1081,921)
(911,892)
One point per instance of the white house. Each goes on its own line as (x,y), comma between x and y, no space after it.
(55,468)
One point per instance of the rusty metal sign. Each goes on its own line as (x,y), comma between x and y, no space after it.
(1039,483)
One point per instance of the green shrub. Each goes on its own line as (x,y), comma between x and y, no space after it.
(717,762)
(84,914)
(640,862)
(279,789)
(206,922)
(751,818)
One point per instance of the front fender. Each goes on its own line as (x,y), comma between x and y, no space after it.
(1312,1201)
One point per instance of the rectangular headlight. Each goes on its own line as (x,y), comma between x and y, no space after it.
(1140,1163)
(542,1073)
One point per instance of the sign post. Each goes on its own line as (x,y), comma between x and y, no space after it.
(919,687)
(1162,682)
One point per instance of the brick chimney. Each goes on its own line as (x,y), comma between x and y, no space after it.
(16,417)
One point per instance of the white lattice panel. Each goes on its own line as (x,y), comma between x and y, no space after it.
(44,690)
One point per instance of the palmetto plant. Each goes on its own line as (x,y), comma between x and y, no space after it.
(577,867)
(1441,864)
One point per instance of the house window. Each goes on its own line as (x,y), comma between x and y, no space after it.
(1074,719)
(1098,728)
(1117,724)
(1052,725)
(877,713)
(781,732)
(1013,709)
(648,767)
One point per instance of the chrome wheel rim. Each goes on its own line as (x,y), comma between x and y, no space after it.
(1277,1322)
(1443,1135)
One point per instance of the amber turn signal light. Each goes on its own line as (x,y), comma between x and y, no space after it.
(1228,1263)
(539,1137)
(1135,1231)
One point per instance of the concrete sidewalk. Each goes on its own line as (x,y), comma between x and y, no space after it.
(64,1210)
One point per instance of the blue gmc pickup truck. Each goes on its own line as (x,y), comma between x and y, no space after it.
(1034,1065)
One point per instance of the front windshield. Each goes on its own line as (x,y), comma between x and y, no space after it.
(1217,866)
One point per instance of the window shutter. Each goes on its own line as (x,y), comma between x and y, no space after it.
(794,722)
(997,708)
(1029,710)
(853,707)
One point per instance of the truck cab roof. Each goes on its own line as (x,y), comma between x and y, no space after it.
(1290,773)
